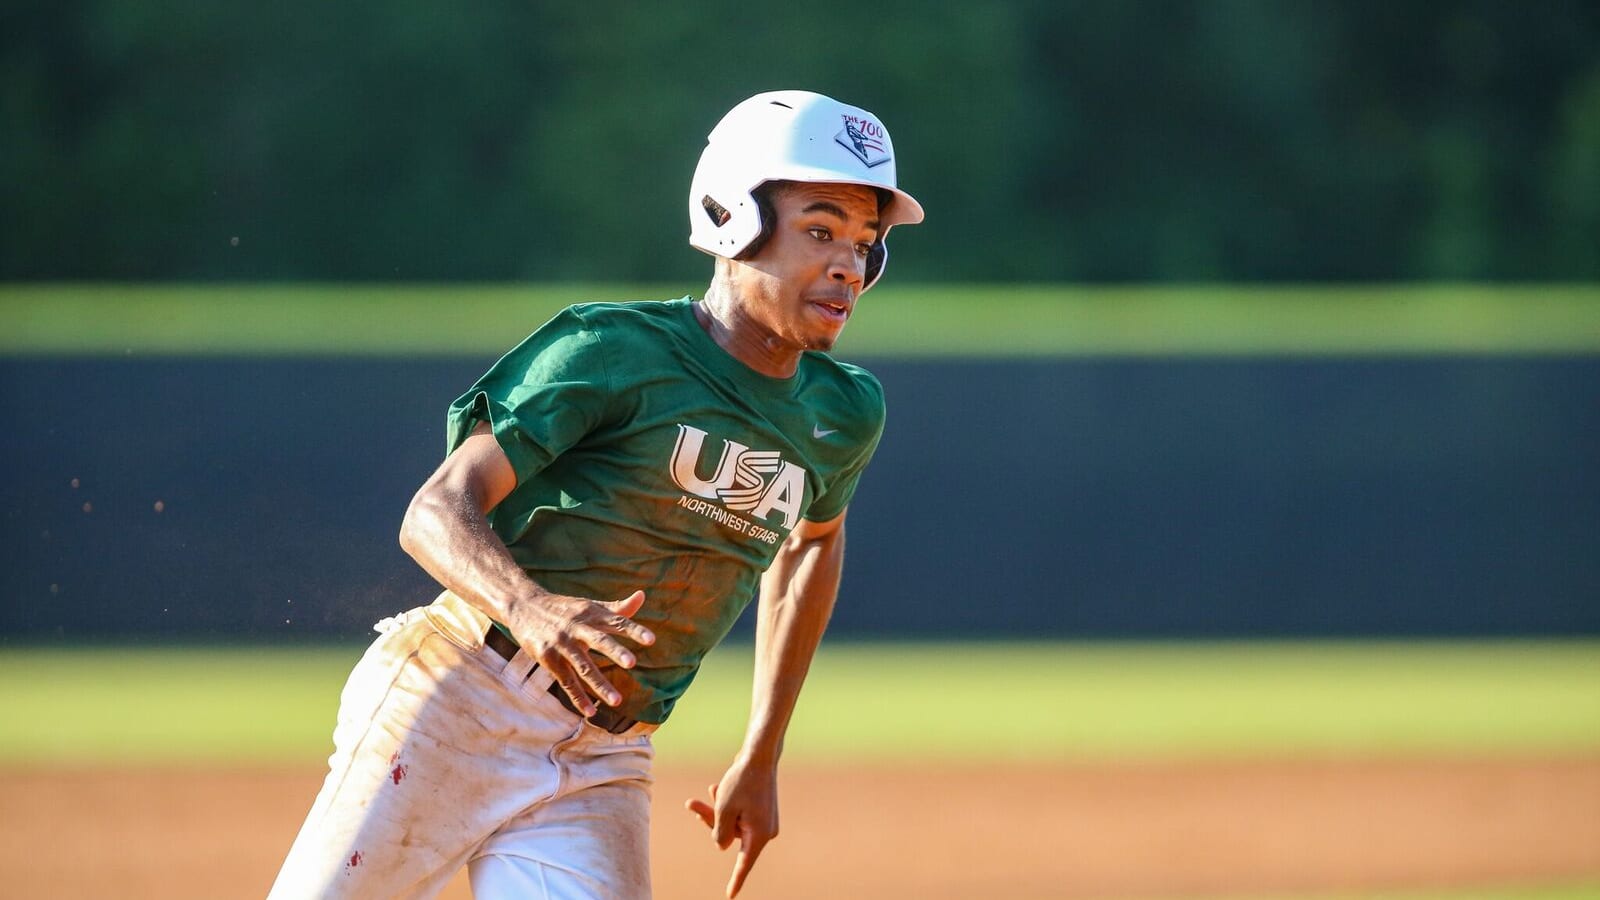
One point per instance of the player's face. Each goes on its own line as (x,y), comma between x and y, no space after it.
(805,279)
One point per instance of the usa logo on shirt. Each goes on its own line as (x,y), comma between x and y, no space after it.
(755,482)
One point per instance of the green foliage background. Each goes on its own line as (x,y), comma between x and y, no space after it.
(1143,140)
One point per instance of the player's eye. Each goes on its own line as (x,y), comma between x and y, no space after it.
(820,233)
(863,249)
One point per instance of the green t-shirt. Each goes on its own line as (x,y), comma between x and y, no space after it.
(648,458)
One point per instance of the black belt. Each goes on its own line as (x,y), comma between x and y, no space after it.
(605,717)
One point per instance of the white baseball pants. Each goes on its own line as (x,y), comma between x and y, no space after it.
(445,754)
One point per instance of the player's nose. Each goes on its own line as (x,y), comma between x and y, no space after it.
(848,267)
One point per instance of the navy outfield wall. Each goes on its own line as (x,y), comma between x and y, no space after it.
(258,499)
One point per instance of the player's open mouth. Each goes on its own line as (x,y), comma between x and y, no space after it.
(832,311)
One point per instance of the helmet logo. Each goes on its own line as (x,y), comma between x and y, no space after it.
(864,139)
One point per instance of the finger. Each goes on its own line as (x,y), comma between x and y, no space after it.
(565,676)
(605,644)
(711,791)
(703,810)
(591,677)
(749,849)
(622,625)
(628,605)
(723,830)
(741,868)
(621,621)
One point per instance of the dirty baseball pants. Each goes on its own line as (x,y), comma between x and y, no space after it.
(446,754)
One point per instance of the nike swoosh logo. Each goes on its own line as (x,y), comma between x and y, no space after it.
(819,434)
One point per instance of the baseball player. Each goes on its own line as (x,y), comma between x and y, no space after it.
(617,488)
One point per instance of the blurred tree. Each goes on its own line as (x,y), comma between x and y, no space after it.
(1142,140)
(1573,186)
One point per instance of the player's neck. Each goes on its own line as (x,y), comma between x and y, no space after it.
(745,338)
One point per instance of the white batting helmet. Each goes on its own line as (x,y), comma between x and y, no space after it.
(790,136)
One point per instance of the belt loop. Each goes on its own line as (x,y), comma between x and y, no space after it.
(521,667)
(518,664)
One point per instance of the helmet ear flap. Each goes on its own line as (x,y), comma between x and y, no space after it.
(877,257)
(769,219)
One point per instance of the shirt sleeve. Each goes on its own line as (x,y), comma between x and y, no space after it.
(541,398)
(842,486)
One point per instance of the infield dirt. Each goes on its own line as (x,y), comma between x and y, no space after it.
(1110,830)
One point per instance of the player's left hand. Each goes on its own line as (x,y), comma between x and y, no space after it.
(744,806)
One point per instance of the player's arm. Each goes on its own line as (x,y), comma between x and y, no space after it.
(797,596)
(446,532)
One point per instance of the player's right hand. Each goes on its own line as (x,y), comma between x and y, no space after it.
(559,631)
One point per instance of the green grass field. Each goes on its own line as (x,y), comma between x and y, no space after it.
(1022,701)
(895,320)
